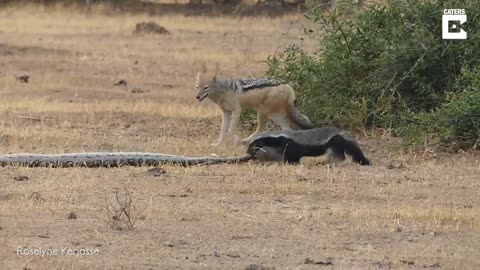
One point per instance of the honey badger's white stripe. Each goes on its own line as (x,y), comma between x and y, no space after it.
(316,136)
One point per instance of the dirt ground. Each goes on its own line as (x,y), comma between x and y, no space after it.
(404,212)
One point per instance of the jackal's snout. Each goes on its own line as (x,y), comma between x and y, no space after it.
(201,96)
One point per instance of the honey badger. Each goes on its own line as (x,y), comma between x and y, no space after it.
(291,145)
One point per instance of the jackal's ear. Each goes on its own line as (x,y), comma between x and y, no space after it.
(199,76)
(203,67)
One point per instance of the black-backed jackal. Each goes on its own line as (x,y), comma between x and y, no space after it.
(271,99)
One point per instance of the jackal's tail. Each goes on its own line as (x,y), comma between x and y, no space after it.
(297,117)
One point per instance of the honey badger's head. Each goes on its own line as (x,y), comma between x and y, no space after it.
(268,148)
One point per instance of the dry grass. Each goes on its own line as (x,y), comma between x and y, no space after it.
(423,214)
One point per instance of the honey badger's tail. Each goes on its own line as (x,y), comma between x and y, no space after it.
(297,117)
(342,146)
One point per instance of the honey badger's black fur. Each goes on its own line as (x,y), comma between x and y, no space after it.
(291,145)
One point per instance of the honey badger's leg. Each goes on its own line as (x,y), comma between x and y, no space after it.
(334,156)
(292,152)
(336,150)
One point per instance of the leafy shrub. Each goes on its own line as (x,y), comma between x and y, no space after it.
(461,114)
(456,124)
(387,67)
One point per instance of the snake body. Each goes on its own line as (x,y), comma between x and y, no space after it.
(112,159)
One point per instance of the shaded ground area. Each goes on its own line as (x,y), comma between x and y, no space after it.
(407,211)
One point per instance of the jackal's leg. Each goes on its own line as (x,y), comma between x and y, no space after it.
(280,120)
(232,130)
(227,115)
(262,123)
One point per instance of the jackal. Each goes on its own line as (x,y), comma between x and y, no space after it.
(271,99)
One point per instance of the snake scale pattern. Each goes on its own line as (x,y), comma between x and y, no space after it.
(112,159)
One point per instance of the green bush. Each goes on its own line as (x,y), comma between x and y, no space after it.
(387,67)
(461,114)
(456,124)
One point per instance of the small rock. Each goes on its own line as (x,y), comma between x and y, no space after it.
(20,178)
(120,83)
(36,196)
(138,91)
(168,85)
(72,215)
(150,28)
(22,79)
(182,242)
(258,267)
(407,262)
(188,190)
(233,255)
(169,244)
(396,165)
(176,243)
(239,237)
(6,196)
(155,172)
(310,261)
